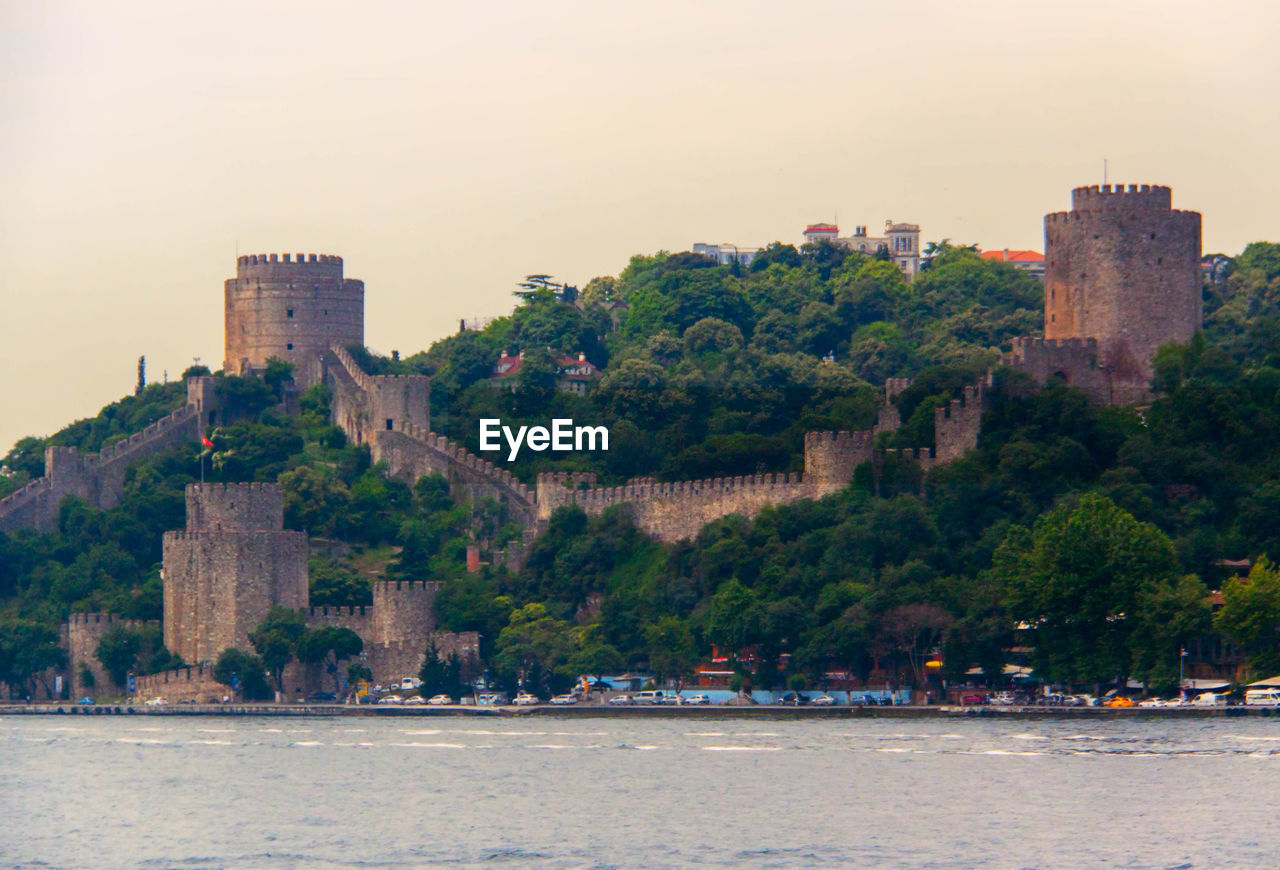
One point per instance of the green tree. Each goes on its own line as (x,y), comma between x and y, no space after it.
(329,645)
(533,647)
(244,673)
(118,651)
(1250,616)
(672,651)
(276,640)
(27,649)
(1080,580)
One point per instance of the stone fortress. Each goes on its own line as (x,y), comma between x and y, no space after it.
(1122,279)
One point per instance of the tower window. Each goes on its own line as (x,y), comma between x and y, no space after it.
(389,426)
(289,346)
(1153,235)
(290,312)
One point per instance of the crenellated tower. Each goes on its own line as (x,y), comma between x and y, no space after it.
(229,567)
(1122,268)
(291,307)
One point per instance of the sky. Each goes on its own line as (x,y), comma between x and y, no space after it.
(447,150)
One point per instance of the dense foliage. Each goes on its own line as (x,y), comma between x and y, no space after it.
(1090,534)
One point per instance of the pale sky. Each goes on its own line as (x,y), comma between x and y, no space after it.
(446,150)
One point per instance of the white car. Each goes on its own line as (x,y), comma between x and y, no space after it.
(524,699)
(156,702)
(621,701)
(697,700)
(391,699)
(562,700)
(823,701)
(415,701)
(439,700)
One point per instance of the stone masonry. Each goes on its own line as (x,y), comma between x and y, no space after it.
(1122,278)
(290,308)
(229,567)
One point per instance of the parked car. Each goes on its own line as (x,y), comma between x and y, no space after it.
(1002,699)
(391,699)
(156,702)
(1120,701)
(439,700)
(793,699)
(86,701)
(654,696)
(1262,697)
(408,683)
(524,699)
(823,700)
(1210,699)
(490,699)
(697,700)
(621,701)
(564,700)
(415,701)
(970,700)
(319,697)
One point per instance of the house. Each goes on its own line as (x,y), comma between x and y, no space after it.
(1031,262)
(576,373)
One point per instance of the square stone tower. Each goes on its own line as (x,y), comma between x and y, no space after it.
(229,567)
(1122,268)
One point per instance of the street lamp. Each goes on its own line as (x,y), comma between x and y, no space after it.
(1182,667)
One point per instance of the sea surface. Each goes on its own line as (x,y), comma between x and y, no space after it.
(202,792)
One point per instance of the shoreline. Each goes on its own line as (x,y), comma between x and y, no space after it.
(759,711)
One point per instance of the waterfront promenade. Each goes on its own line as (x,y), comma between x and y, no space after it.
(579,711)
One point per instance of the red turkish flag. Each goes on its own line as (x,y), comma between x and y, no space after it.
(205,441)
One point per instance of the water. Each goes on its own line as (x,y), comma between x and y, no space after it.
(198,792)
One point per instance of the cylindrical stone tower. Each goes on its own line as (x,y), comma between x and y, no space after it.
(293,308)
(1123,267)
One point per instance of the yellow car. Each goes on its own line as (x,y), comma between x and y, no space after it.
(1120,701)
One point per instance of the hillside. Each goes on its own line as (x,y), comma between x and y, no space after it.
(711,370)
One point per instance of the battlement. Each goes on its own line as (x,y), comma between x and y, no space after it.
(235,507)
(108,620)
(576,479)
(1118,196)
(474,469)
(127,446)
(386,587)
(894,387)
(326,613)
(275,267)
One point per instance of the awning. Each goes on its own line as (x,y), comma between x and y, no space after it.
(1269,682)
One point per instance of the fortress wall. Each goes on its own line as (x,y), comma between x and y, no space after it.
(97,478)
(412,451)
(184,684)
(393,661)
(1076,361)
(364,404)
(359,619)
(403,610)
(82,633)
(957,425)
(831,457)
(219,585)
(675,511)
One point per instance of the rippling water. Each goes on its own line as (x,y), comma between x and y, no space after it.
(270,792)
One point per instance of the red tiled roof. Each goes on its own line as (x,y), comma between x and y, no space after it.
(1013,256)
(822,228)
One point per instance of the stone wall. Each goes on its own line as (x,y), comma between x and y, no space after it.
(184,684)
(83,632)
(290,308)
(223,576)
(97,478)
(403,610)
(1123,268)
(1075,361)
(363,405)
